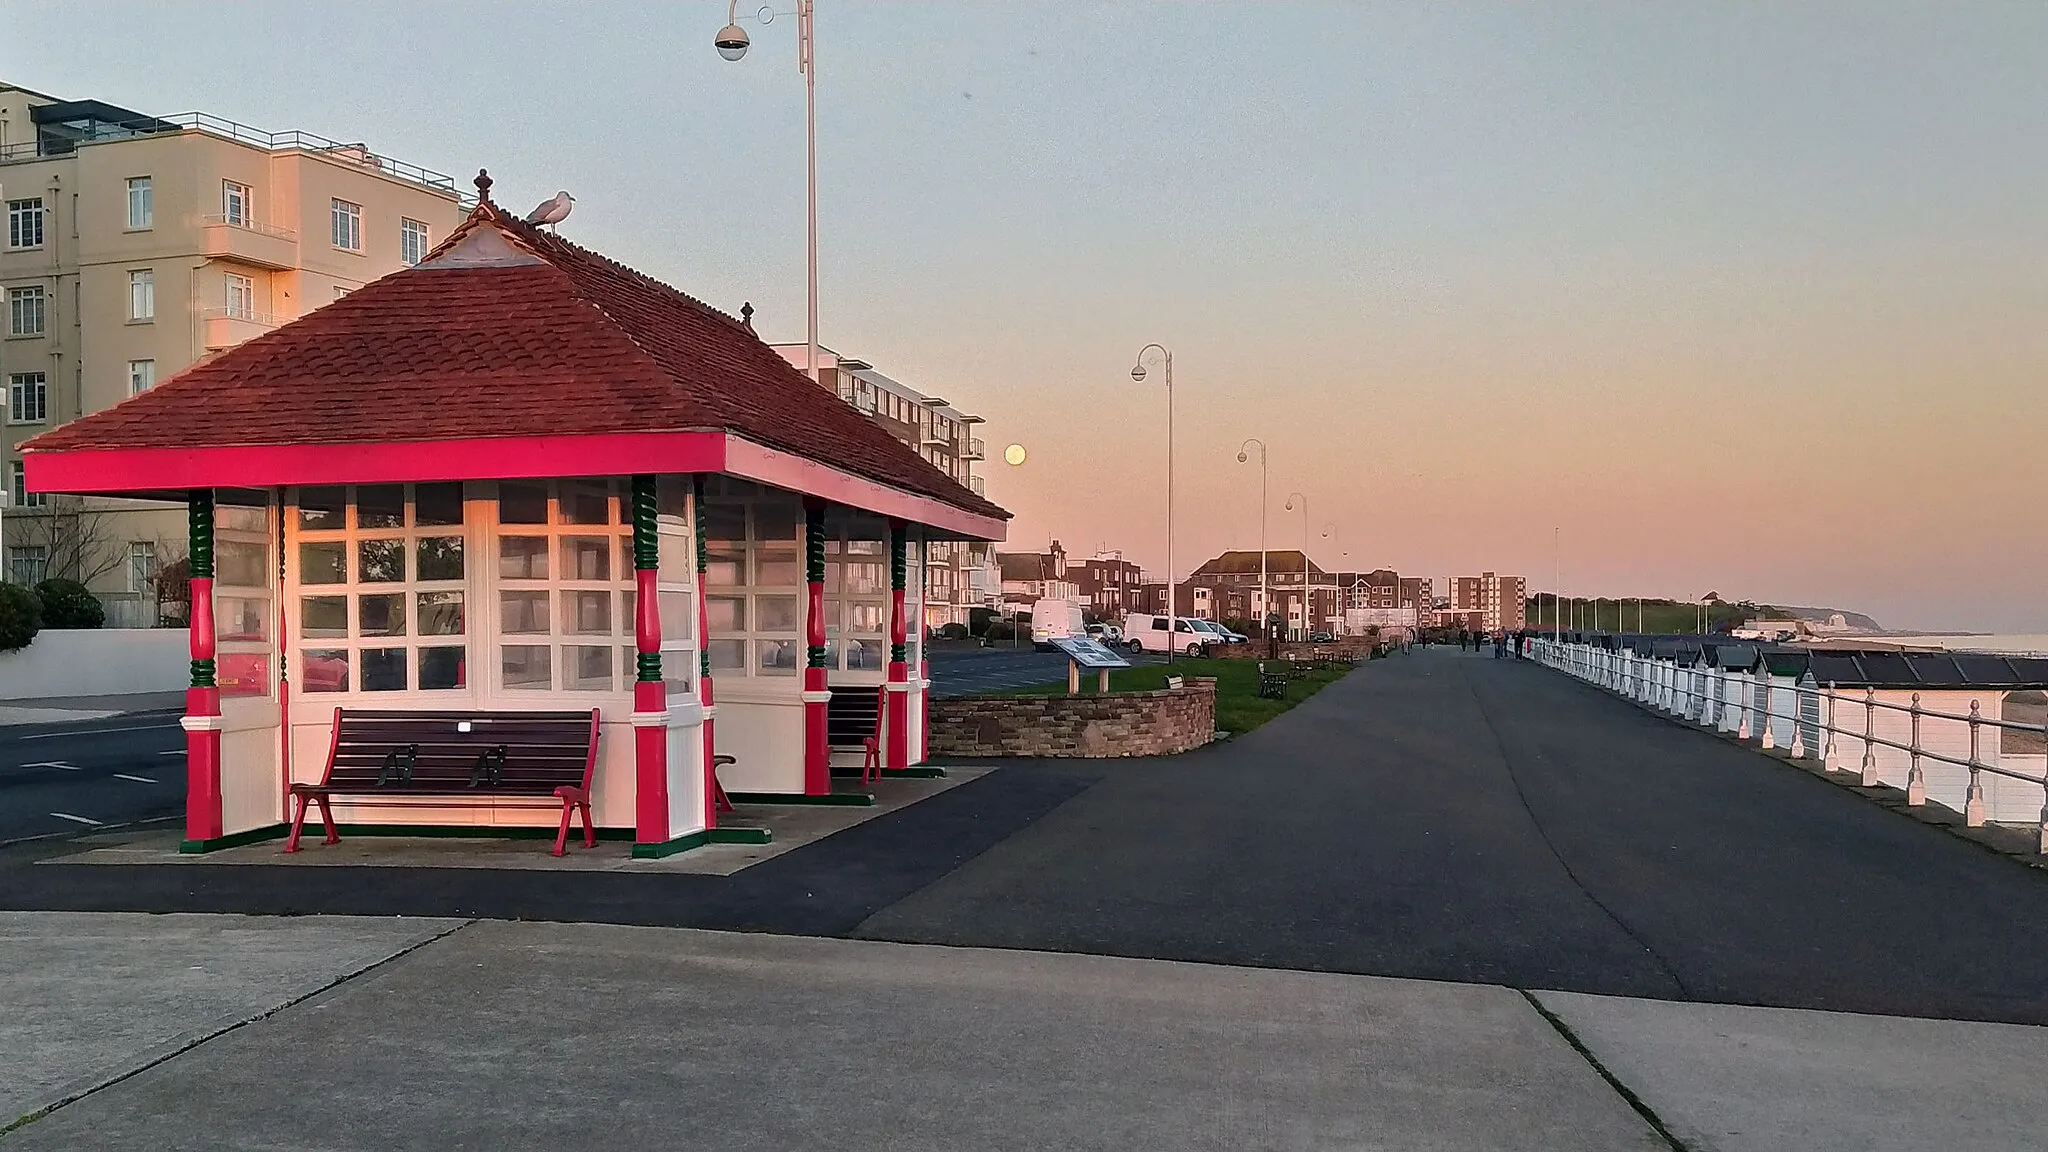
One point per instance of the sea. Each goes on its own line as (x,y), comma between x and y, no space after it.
(2006,643)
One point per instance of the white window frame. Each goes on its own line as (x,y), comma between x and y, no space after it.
(26,221)
(244,611)
(412,241)
(238,294)
(234,203)
(142,565)
(20,496)
(141,376)
(772,536)
(28,311)
(141,204)
(346,218)
(28,564)
(618,584)
(141,295)
(28,398)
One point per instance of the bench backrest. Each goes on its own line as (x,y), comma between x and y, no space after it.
(543,751)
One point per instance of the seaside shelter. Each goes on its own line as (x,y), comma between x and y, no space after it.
(520,478)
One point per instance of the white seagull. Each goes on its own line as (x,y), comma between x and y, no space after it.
(553,210)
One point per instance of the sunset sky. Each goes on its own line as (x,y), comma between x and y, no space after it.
(1751,297)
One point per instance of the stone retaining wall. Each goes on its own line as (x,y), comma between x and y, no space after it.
(1357,648)
(1157,723)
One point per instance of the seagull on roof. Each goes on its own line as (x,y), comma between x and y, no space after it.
(553,210)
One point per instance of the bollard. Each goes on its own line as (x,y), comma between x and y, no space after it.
(1916,784)
(1973,806)
(1869,732)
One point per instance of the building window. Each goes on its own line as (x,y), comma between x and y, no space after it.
(241,296)
(412,241)
(142,294)
(28,564)
(348,226)
(25,223)
(141,376)
(141,203)
(565,588)
(141,566)
(341,290)
(234,203)
(383,586)
(28,398)
(26,314)
(23,498)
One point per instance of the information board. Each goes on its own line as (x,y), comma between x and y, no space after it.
(1089,652)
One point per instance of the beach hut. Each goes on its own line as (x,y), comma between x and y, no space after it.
(510,513)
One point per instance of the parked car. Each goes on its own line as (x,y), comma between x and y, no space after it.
(1221,633)
(1147,633)
(1107,634)
(1321,638)
(1056,619)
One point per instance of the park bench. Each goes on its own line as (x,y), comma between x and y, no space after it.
(416,755)
(1273,681)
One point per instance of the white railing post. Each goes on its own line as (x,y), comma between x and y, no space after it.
(1916,783)
(2044,796)
(1869,732)
(1973,806)
(1827,750)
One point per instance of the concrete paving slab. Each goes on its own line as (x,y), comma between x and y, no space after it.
(578,1036)
(1738,1079)
(91,997)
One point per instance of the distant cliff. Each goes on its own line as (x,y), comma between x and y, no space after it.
(1820,616)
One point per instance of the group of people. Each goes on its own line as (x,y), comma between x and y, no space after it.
(1505,643)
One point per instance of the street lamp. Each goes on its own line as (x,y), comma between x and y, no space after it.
(1242,457)
(1291,498)
(732,42)
(1172,602)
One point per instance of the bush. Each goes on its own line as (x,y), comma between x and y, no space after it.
(21,617)
(69,604)
(1000,630)
(954,632)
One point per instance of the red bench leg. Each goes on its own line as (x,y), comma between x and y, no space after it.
(589,830)
(298,825)
(327,818)
(562,836)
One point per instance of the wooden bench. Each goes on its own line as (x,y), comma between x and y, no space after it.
(1273,682)
(386,755)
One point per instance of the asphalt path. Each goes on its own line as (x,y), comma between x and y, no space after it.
(81,775)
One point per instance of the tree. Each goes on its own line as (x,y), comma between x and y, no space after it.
(79,541)
(173,590)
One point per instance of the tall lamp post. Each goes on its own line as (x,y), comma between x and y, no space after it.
(1291,498)
(1172,601)
(1265,625)
(732,44)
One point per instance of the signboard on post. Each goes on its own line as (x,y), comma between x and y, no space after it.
(1087,652)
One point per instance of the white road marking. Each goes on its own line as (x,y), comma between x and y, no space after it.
(96,731)
(78,819)
(173,752)
(52,764)
(137,779)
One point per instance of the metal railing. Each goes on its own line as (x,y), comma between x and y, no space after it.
(248,225)
(247,316)
(976,450)
(1709,697)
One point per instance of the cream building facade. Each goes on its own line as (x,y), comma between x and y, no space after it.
(136,246)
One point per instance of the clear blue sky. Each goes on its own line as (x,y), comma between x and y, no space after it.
(1748,296)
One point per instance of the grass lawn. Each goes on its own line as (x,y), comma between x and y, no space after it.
(1238,706)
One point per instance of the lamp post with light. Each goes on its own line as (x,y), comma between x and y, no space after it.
(1172,602)
(1291,498)
(1265,624)
(732,42)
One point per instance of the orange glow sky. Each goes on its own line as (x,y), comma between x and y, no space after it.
(1749,298)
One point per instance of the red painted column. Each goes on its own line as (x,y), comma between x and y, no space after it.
(203,822)
(816,693)
(893,693)
(705,698)
(651,823)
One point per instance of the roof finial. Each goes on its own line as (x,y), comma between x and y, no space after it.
(483,185)
(747,315)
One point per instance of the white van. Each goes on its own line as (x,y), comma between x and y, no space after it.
(1144,632)
(1055,619)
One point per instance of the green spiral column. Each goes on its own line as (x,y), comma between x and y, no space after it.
(703,566)
(199,618)
(814,576)
(646,559)
(899,578)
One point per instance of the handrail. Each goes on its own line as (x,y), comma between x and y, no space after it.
(1670,692)
(249,225)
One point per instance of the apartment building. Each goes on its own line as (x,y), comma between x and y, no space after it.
(137,245)
(959,577)
(1302,594)
(1029,577)
(1109,584)
(1489,602)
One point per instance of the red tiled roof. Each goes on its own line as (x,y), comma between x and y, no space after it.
(570,343)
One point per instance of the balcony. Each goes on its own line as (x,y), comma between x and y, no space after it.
(936,439)
(247,242)
(975,449)
(224,329)
(976,486)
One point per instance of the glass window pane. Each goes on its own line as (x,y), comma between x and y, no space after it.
(380,561)
(724,566)
(438,558)
(778,657)
(380,506)
(725,614)
(524,666)
(383,669)
(320,509)
(240,518)
(866,578)
(435,505)
(864,617)
(522,503)
(242,564)
(586,502)
(588,668)
(776,521)
(778,572)
(243,674)
(677,561)
(323,617)
(678,615)
(440,614)
(727,654)
(522,612)
(241,617)
(587,613)
(775,613)
(442,668)
(865,655)
(324,670)
(832,652)
(380,615)
(671,495)
(629,603)
(725,523)
(522,557)
(586,558)
(323,563)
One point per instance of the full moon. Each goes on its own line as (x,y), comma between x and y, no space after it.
(1014,454)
